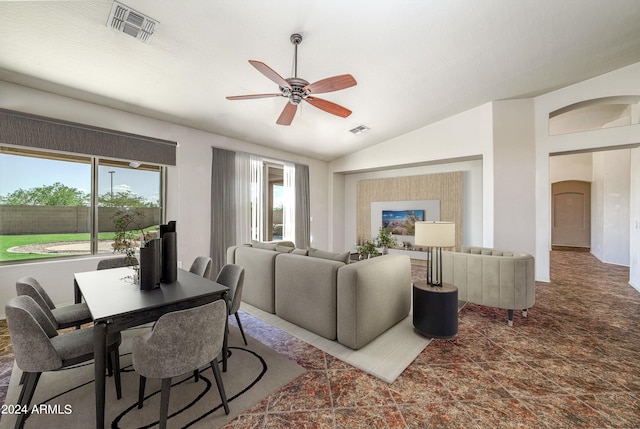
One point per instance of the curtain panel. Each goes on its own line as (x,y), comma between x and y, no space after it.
(243,197)
(303,210)
(223,205)
(289,202)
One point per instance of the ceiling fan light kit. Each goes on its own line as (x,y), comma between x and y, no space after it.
(296,89)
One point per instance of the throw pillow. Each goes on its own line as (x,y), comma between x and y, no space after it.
(302,252)
(284,249)
(342,257)
(261,245)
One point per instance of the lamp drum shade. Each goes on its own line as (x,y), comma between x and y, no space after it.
(435,234)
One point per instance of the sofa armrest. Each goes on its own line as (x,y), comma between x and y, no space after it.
(306,292)
(259,275)
(372,296)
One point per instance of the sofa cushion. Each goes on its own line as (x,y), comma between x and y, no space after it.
(372,296)
(305,290)
(342,257)
(259,276)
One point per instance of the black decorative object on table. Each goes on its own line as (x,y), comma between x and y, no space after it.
(150,265)
(169,260)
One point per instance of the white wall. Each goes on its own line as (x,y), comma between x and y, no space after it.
(189,182)
(634,227)
(468,135)
(577,166)
(617,83)
(514,176)
(472,133)
(610,210)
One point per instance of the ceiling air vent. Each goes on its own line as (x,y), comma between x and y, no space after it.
(360,129)
(128,21)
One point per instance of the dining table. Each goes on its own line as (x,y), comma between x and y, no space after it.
(117,303)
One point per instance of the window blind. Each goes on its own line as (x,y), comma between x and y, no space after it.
(23,129)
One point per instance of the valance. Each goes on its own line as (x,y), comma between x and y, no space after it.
(23,129)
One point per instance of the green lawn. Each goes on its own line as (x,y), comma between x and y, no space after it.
(9,241)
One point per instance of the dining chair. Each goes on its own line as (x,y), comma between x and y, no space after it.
(38,348)
(180,342)
(125,261)
(61,317)
(232,276)
(201,266)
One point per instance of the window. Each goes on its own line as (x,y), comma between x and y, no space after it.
(272,200)
(274,207)
(60,205)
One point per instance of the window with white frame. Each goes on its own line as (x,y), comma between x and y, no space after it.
(60,205)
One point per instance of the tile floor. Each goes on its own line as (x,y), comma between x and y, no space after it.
(573,363)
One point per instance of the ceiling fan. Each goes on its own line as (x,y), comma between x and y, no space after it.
(297,89)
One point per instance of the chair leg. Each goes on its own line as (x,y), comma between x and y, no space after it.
(23,378)
(164,402)
(241,330)
(510,315)
(223,396)
(26,394)
(196,375)
(109,365)
(115,357)
(143,382)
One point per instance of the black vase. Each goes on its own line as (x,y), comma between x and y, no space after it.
(169,255)
(169,258)
(150,265)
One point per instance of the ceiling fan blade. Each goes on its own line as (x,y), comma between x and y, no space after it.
(270,73)
(330,84)
(249,97)
(287,114)
(328,106)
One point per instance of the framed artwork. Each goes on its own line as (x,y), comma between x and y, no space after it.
(401,222)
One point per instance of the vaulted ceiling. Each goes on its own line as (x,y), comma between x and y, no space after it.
(415,61)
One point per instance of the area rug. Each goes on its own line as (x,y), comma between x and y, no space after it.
(385,357)
(66,399)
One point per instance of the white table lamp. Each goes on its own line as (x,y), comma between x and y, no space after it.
(434,234)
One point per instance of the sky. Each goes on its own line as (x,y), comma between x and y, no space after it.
(18,172)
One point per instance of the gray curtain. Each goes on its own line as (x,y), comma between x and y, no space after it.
(303,214)
(223,206)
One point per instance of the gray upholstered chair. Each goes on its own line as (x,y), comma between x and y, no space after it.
(125,261)
(61,317)
(180,342)
(38,347)
(232,276)
(201,266)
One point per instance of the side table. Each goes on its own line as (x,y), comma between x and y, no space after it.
(435,310)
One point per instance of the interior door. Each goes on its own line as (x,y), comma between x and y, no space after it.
(571,213)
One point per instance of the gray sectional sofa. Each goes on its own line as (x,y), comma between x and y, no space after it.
(491,277)
(322,293)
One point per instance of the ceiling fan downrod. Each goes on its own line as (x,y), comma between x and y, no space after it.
(296,93)
(296,39)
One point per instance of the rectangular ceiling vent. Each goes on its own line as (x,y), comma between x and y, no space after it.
(360,129)
(128,21)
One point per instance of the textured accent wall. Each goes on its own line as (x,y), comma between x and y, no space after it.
(446,187)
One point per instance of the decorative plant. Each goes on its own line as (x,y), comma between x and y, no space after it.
(368,248)
(126,223)
(385,239)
